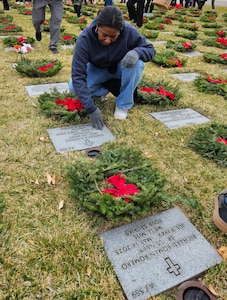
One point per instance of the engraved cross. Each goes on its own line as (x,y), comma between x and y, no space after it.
(173,268)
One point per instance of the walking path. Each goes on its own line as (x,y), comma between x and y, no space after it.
(217,3)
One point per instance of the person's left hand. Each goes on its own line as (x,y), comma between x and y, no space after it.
(28,4)
(130,59)
(69,2)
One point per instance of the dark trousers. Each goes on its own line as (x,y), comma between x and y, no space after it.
(5,5)
(77,9)
(135,11)
(149,6)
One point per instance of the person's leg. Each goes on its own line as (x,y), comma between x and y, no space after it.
(95,78)
(130,77)
(139,13)
(131,9)
(56,9)
(5,5)
(38,14)
(146,7)
(212,4)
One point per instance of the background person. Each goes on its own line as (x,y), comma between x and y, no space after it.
(38,17)
(108,49)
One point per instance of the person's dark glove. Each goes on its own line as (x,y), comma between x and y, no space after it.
(130,59)
(96,119)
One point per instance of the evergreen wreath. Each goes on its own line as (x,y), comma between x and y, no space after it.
(68,39)
(5,27)
(211,25)
(38,68)
(157,93)
(211,143)
(216,42)
(216,32)
(11,41)
(212,86)
(191,27)
(190,35)
(215,58)
(149,34)
(154,26)
(119,185)
(168,59)
(180,46)
(64,107)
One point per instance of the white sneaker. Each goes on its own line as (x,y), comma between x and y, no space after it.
(120,114)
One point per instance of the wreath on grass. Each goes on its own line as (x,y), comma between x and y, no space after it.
(215,58)
(168,59)
(212,86)
(154,26)
(211,25)
(157,93)
(68,39)
(6,28)
(216,32)
(38,68)
(149,34)
(218,42)
(119,185)
(211,143)
(190,35)
(191,27)
(180,46)
(63,107)
(11,41)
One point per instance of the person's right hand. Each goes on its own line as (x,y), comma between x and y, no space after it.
(96,119)
(68,2)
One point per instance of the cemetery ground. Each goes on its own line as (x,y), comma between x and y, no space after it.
(50,248)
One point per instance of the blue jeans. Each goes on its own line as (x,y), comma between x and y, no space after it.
(130,77)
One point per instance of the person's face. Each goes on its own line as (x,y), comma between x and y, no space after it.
(107,35)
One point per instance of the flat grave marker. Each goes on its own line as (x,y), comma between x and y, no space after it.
(67,46)
(158,42)
(38,89)
(79,137)
(180,117)
(156,253)
(186,76)
(192,54)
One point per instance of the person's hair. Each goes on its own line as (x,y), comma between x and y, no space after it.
(110,16)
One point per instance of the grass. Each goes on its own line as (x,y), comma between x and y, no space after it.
(51,253)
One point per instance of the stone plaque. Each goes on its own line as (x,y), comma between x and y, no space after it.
(158,42)
(192,54)
(186,76)
(157,253)
(180,117)
(79,137)
(38,89)
(67,46)
(167,32)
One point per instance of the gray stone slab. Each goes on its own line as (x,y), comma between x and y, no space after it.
(8,49)
(179,117)
(158,42)
(38,89)
(79,137)
(192,54)
(167,32)
(154,254)
(186,76)
(67,47)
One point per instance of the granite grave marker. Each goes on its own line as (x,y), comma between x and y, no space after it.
(38,89)
(186,76)
(79,137)
(156,253)
(177,118)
